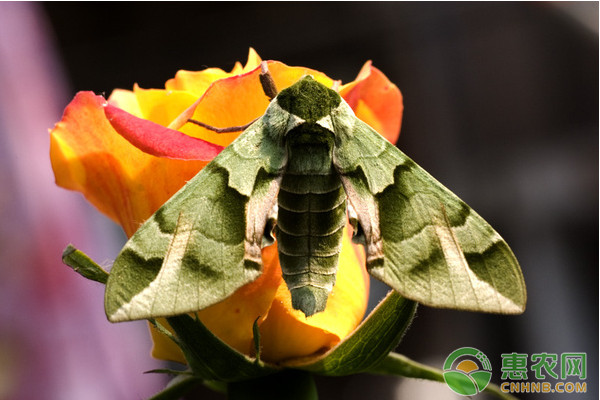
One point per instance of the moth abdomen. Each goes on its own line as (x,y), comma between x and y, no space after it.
(309,234)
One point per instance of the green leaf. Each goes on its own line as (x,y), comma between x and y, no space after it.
(209,357)
(288,385)
(374,338)
(399,365)
(83,265)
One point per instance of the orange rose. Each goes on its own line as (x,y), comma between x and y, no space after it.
(129,185)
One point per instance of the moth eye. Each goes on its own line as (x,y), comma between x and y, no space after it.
(358,234)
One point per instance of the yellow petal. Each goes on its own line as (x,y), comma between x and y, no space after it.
(126,100)
(195,82)
(253,62)
(162,106)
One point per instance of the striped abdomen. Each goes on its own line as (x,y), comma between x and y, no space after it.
(310,222)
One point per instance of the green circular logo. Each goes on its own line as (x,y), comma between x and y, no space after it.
(467,371)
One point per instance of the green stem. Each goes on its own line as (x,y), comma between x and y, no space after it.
(397,364)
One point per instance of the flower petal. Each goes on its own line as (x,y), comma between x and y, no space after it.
(158,140)
(376,101)
(162,106)
(253,61)
(125,100)
(123,182)
(287,333)
(195,82)
(163,347)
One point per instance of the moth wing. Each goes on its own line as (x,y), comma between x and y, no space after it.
(204,242)
(420,238)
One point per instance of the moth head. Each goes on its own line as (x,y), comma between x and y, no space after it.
(309,100)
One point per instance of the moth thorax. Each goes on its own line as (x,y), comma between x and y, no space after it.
(310,222)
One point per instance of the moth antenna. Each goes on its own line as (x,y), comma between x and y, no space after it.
(267,82)
(229,129)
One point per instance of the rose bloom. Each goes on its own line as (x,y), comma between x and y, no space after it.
(129,185)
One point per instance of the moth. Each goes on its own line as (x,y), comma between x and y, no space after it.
(300,171)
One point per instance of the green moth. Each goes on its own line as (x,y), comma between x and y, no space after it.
(301,170)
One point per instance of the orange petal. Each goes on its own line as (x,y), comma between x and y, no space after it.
(376,101)
(287,333)
(124,183)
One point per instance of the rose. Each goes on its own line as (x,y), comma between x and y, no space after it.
(128,185)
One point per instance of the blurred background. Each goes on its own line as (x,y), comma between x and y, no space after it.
(501,105)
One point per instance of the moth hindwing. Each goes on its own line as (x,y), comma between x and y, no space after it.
(309,157)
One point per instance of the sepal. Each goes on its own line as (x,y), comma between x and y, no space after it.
(83,265)
(212,359)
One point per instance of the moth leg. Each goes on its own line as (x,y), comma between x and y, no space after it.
(365,213)
(268,237)
(259,217)
(358,233)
